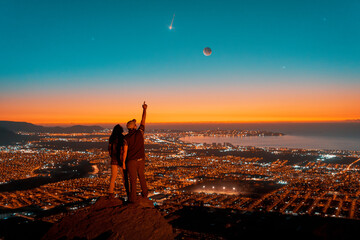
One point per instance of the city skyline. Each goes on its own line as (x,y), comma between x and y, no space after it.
(66,62)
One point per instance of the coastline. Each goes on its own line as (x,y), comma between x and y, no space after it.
(285,141)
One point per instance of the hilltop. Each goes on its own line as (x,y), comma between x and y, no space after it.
(112,219)
(29,127)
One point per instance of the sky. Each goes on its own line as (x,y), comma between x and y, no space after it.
(73,61)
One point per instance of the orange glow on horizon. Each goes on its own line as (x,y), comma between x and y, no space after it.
(191,105)
(198,122)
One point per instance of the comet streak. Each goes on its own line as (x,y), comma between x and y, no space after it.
(172,22)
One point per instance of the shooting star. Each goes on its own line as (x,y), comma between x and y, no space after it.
(172,22)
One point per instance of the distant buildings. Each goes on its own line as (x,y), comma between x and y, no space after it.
(308,182)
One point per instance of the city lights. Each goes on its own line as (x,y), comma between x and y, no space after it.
(289,181)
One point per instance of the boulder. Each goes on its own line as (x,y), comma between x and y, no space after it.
(112,219)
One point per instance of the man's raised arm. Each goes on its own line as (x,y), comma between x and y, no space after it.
(144,106)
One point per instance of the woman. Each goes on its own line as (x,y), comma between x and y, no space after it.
(116,152)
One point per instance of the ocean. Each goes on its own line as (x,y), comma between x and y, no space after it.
(328,136)
(319,135)
(287,141)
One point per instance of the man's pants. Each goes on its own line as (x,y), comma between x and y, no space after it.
(136,169)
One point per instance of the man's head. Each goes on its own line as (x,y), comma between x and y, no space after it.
(131,124)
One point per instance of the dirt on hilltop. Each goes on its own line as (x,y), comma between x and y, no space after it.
(111,219)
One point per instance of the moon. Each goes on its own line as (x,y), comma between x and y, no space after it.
(207,51)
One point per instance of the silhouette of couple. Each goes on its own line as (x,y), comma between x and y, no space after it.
(128,153)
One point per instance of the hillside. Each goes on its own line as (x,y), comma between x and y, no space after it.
(8,137)
(29,127)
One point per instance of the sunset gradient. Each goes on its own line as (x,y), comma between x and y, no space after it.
(68,63)
(238,103)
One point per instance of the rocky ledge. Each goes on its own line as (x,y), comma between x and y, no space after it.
(111,219)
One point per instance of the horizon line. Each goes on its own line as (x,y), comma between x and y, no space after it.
(197,122)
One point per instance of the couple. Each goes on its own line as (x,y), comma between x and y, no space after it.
(128,153)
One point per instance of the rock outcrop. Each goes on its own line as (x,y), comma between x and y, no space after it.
(111,219)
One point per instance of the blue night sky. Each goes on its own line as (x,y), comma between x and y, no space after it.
(62,45)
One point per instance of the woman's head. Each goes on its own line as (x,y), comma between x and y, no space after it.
(118,130)
(117,133)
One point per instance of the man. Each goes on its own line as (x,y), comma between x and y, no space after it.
(134,153)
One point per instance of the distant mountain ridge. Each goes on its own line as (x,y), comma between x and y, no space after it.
(29,127)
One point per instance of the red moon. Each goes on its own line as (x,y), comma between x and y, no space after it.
(207,51)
